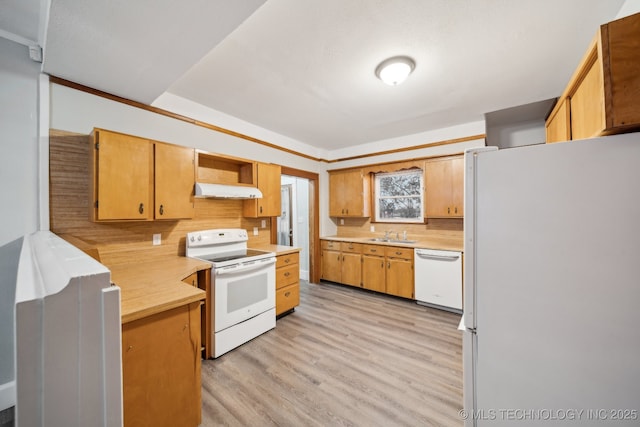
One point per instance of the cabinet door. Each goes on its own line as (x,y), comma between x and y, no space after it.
(123,177)
(587,105)
(351,269)
(356,199)
(336,195)
(400,277)
(268,180)
(558,126)
(174,181)
(444,188)
(161,368)
(437,188)
(457,187)
(373,273)
(331,265)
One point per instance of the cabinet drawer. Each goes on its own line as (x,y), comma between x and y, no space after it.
(287,298)
(287,275)
(351,247)
(288,259)
(331,244)
(191,280)
(377,250)
(396,252)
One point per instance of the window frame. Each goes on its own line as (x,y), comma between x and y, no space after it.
(376,197)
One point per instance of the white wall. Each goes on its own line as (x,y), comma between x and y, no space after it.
(18,185)
(629,8)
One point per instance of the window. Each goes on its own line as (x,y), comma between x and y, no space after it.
(399,196)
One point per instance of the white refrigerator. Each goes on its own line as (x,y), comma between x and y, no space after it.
(552,284)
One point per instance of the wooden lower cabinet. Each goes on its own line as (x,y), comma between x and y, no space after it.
(380,268)
(373,273)
(287,282)
(161,368)
(400,280)
(342,262)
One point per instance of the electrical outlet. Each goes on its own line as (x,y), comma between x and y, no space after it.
(255,231)
(341,221)
(157,239)
(264,223)
(372,228)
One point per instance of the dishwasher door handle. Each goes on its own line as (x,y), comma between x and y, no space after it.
(438,257)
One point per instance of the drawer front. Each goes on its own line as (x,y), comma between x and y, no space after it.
(351,247)
(331,244)
(287,298)
(287,275)
(377,250)
(288,259)
(191,280)
(396,252)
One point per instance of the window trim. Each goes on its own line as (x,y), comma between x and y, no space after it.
(376,197)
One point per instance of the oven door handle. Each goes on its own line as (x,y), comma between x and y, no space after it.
(244,267)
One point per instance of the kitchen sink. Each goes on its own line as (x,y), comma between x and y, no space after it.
(382,239)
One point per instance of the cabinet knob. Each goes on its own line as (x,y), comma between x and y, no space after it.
(286,294)
(456,210)
(161,209)
(388,265)
(286,261)
(260,209)
(287,274)
(141,208)
(448,210)
(398,253)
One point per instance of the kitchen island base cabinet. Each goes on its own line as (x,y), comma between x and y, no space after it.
(161,368)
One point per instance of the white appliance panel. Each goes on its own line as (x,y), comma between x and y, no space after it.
(438,278)
(243,292)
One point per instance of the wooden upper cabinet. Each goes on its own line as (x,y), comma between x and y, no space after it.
(349,194)
(138,179)
(268,183)
(174,179)
(602,97)
(122,172)
(444,188)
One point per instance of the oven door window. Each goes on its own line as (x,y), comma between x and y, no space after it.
(241,295)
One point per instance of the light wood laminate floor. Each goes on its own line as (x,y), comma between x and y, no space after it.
(345,357)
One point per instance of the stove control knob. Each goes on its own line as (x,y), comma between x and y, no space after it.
(199,237)
(193,239)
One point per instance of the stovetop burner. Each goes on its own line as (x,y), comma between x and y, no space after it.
(222,247)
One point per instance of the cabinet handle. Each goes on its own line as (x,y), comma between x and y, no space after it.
(372,250)
(448,210)
(388,265)
(338,257)
(286,294)
(381,264)
(398,253)
(141,208)
(286,261)
(161,209)
(456,209)
(347,211)
(342,210)
(260,209)
(342,258)
(287,274)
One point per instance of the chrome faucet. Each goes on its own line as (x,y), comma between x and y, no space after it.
(404,235)
(386,234)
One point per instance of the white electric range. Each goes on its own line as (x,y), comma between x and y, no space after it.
(243,286)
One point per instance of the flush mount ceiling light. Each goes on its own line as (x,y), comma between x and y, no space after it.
(394,71)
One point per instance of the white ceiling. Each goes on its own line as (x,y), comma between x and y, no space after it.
(305,69)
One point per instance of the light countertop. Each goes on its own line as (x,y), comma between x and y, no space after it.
(152,287)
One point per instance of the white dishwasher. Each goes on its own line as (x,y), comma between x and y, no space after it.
(438,279)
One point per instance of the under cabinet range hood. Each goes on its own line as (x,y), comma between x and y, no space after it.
(225,191)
